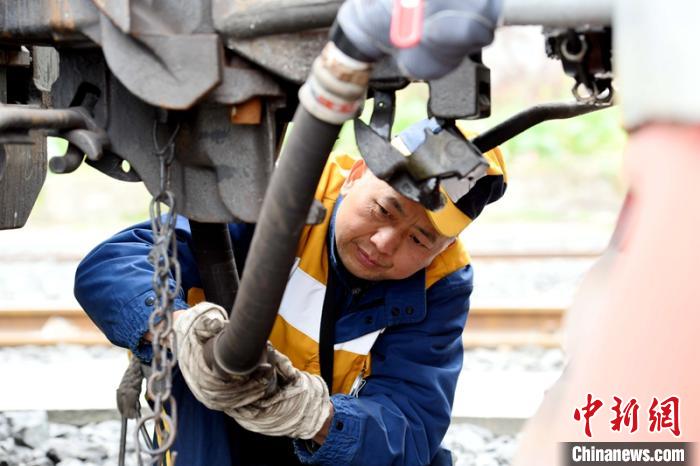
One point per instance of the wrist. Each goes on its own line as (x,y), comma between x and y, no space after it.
(148,336)
(321,435)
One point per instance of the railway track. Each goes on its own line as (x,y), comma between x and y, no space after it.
(487,327)
(492,326)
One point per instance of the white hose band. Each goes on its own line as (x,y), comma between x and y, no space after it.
(336,86)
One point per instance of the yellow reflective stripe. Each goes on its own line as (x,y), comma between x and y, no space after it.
(302,308)
(312,243)
(354,364)
(296,332)
(304,354)
(297,346)
(314,258)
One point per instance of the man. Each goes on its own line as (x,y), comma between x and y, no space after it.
(397,282)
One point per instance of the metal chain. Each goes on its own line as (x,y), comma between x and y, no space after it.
(163,257)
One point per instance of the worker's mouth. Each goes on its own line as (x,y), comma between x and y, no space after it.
(365,260)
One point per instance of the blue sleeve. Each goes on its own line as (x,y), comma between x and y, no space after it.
(403,412)
(113,283)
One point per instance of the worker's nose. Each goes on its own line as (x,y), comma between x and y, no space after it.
(386,240)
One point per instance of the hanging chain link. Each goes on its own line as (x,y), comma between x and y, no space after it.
(163,257)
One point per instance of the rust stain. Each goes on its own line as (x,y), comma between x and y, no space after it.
(247,113)
(60,16)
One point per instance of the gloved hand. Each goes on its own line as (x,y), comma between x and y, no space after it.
(215,390)
(452,29)
(297,409)
(276,399)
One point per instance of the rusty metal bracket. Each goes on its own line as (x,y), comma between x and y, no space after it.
(15,58)
(442,155)
(221,168)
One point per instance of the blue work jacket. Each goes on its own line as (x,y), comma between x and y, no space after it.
(399,417)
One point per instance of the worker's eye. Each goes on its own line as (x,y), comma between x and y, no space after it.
(382,211)
(417,241)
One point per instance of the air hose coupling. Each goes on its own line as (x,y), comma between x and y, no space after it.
(336,87)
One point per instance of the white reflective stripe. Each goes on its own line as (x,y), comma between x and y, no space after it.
(302,306)
(294,267)
(360,345)
(302,303)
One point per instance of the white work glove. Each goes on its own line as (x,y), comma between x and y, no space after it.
(297,409)
(452,29)
(215,390)
(295,406)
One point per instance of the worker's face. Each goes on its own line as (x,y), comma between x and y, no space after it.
(380,234)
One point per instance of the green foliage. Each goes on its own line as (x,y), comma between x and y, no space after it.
(56,146)
(585,136)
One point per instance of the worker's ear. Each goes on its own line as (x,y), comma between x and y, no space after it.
(448,244)
(356,172)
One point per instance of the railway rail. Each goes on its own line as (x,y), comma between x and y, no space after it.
(487,327)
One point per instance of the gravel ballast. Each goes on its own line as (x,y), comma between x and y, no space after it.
(31,438)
